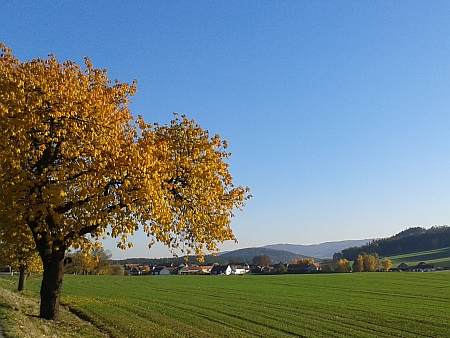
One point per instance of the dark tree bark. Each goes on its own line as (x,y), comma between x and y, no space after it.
(22,278)
(52,284)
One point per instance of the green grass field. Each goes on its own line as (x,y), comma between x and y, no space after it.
(323,305)
(438,257)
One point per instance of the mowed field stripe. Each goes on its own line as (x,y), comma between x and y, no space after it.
(322,305)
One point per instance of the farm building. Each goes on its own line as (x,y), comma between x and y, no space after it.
(221,270)
(195,269)
(230,269)
(160,270)
(303,268)
(421,267)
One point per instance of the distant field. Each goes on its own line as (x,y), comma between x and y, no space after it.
(323,305)
(438,257)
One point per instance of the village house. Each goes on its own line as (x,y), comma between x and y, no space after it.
(230,269)
(128,267)
(239,269)
(195,269)
(221,270)
(403,267)
(189,270)
(256,269)
(133,269)
(303,268)
(160,270)
(421,267)
(206,269)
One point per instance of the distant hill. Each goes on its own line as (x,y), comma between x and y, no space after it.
(240,255)
(277,252)
(246,255)
(319,251)
(407,241)
(175,261)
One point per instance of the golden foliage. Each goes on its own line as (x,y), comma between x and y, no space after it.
(358,265)
(343,266)
(17,249)
(371,262)
(16,256)
(303,261)
(75,166)
(366,262)
(386,263)
(92,262)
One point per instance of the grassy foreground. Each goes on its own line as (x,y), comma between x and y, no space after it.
(328,305)
(19,316)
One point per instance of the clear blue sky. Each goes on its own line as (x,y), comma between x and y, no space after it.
(337,112)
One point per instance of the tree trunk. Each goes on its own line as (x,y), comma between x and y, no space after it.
(52,284)
(22,277)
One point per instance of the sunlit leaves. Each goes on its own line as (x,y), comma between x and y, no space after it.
(199,196)
(75,166)
(23,255)
(386,263)
(358,264)
(307,260)
(343,265)
(94,261)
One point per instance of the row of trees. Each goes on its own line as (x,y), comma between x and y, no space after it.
(81,262)
(366,262)
(22,259)
(363,262)
(76,166)
(303,261)
(95,262)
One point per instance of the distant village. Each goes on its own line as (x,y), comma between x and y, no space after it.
(217,269)
(243,268)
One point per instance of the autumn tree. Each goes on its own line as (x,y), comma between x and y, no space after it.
(24,257)
(102,261)
(386,263)
(366,262)
(358,264)
(116,270)
(371,262)
(89,262)
(281,268)
(79,263)
(343,266)
(75,166)
(376,261)
(262,260)
(303,261)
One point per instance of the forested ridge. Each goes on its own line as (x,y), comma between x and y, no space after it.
(407,241)
(237,256)
(175,261)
